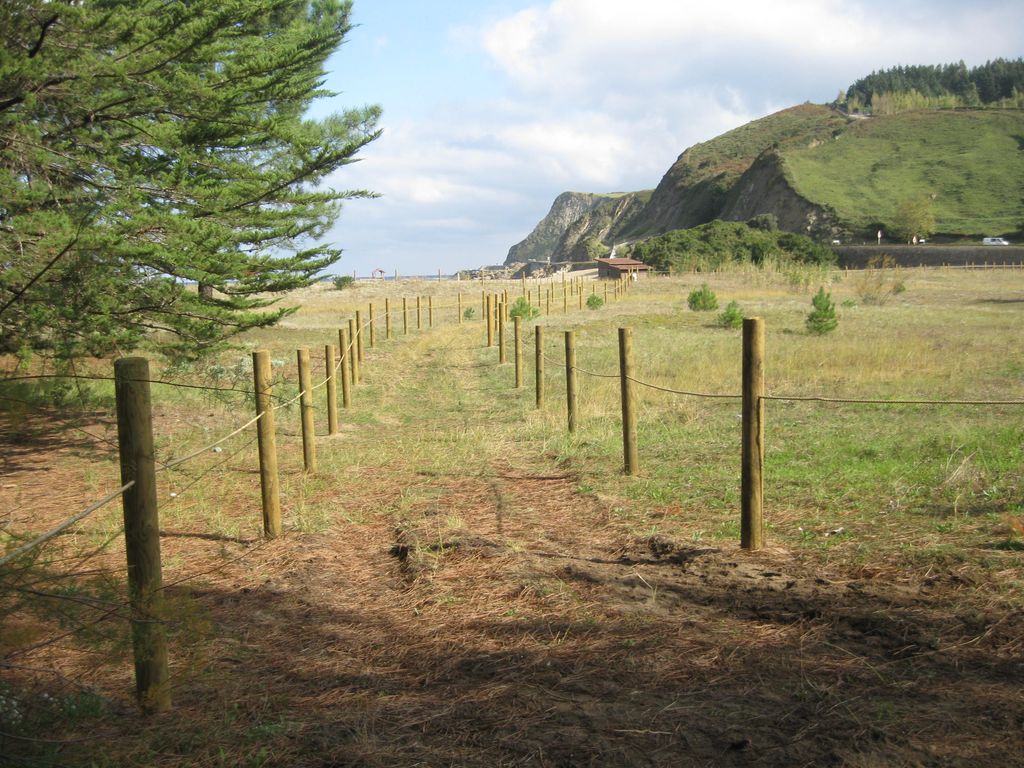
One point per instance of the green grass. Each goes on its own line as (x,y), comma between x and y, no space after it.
(968,163)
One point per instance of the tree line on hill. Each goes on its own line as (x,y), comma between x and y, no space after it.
(995,83)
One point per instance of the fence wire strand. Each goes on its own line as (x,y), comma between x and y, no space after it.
(65,525)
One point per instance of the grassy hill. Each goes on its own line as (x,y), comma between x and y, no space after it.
(970,163)
(820,171)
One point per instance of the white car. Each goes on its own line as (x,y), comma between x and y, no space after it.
(994,241)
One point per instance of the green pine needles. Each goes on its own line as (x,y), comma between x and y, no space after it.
(731,316)
(159,177)
(702,300)
(822,319)
(523,309)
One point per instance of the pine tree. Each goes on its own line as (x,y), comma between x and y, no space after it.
(149,144)
(822,319)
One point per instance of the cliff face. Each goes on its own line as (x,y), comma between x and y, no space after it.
(568,208)
(765,188)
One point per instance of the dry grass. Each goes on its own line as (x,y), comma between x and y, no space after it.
(464,584)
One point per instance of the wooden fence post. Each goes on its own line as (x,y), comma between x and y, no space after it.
(306,411)
(387,319)
(142,532)
(752,483)
(518,350)
(430,311)
(419,313)
(405,316)
(538,333)
(343,368)
(488,300)
(267,444)
(370,325)
(332,390)
(502,358)
(631,462)
(570,377)
(359,335)
(353,357)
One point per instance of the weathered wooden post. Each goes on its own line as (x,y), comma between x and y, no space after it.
(267,444)
(359,335)
(405,316)
(538,357)
(332,390)
(488,300)
(387,319)
(570,377)
(142,532)
(370,325)
(501,332)
(430,311)
(579,294)
(565,299)
(353,357)
(306,412)
(752,459)
(518,350)
(631,462)
(343,368)
(419,313)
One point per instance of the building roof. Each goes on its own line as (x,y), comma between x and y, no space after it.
(623,263)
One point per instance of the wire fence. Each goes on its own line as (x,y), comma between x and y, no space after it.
(345,364)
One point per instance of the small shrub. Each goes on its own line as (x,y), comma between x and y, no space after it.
(732,316)
(594,301)
(822,319)
(469,313)
(523,309)
(702,300)
(880,281)
(343,281)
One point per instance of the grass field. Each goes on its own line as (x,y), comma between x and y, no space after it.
(968,163)
(465,583)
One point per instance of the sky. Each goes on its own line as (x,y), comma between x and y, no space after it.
(492,108)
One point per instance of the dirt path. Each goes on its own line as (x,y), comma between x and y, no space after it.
(475,608)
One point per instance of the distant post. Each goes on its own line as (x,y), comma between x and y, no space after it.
(359,335)
(332,390)
(501,333)
(267,448)
(387,319)
(353,358)
(306,408)
(629,450)
(570,377)
(518,350)
(538,331)
(370,325)
(343,368)
(752,458)
(490,320)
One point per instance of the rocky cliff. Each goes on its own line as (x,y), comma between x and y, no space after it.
(765,187)
(540,244)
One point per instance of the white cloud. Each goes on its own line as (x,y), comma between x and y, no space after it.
(601,95)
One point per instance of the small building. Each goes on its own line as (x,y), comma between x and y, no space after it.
(617,268)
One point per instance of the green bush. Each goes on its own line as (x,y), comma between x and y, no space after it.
(594,301)
(343,281)
(702,300)
(469,313)
(523,309)
(732,316)
(822,318)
